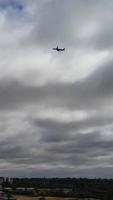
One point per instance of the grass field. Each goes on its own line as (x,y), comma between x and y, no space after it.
(51,198)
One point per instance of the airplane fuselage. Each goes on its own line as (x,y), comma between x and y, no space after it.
(58,49)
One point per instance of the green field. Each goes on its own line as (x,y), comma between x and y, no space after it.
(51,198)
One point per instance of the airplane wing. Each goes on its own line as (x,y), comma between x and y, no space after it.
(62,49)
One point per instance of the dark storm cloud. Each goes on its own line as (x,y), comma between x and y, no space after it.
(57,126)
(90,144)
(84,150)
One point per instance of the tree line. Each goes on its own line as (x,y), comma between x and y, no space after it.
(76,187)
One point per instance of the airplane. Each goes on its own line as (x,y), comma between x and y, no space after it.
(58,49)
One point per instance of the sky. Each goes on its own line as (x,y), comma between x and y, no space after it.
(56,108)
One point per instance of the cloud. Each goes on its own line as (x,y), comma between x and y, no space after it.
(56,108)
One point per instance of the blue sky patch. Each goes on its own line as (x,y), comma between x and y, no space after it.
(11,4)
